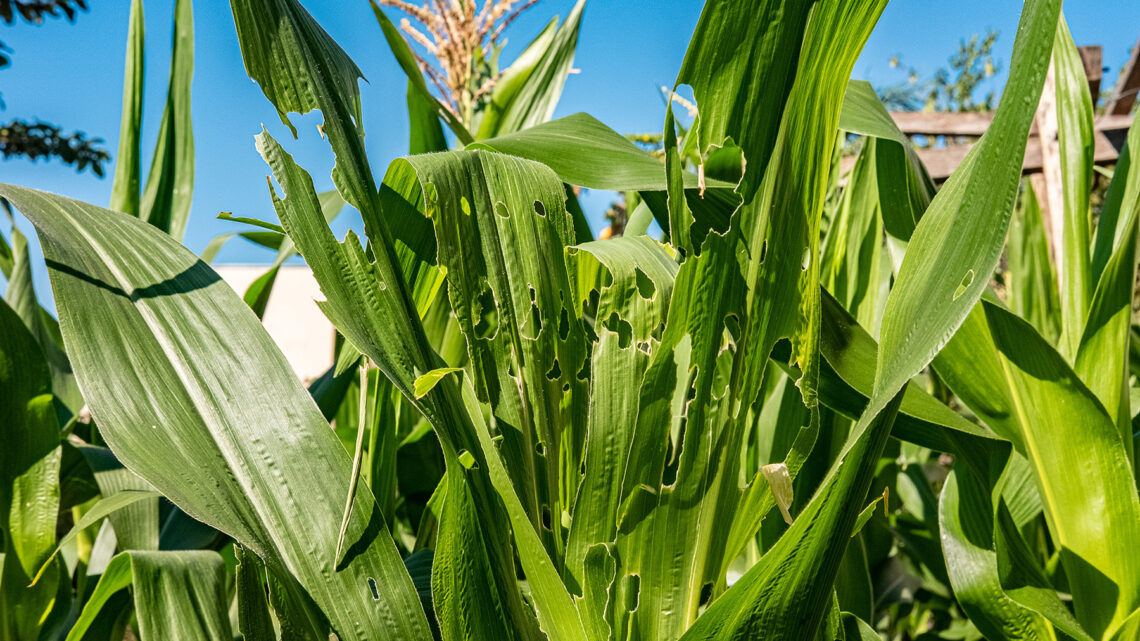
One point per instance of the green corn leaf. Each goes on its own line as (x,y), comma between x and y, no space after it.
(103,508)
(553,603)
(1030,281)
(136,526)
(1119,207)
(169,185)
(462,570)
(407,62)
(1102,358)
(630,311)
(680,216)
(528,91)
(177,595)
(376,315)
(1075,134)
(125,189)
(258,292)
(1077,454)
(425,383)
(425,134)
(956,245)
(856,629)
(781,226)
(969,541)
(785,589)
(849,354)
(21,296)
(515,308)
(854,267)
(904,187)
(254,621)
(128,330)
(585,152)
(29,480)
(742,97)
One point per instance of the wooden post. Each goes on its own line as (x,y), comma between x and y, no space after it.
(1047,184)
(1091,56)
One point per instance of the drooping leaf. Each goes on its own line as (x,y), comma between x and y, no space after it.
(177,595)
(190,440)
(585,152)
(966,517)
(103,508)
(904,187)
(136,527)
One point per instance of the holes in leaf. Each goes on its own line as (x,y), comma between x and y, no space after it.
(643,346)
(374,589)
(501,210)
(565,387)
(486,312)
(464,205)
(533,294)
(607,278)
(555,372)
(590,304)
(431,195)
(563,324)
(732,324)
(706,592)
(540,447)
(965,284)
(621,327)
(539,208)
(584,373)
(645,286)
(658,331)
(632,584)
(535,325)
(763,250)
(546,517)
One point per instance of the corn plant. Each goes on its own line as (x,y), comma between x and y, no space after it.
(805,412)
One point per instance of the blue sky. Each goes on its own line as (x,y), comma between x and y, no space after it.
(71,75)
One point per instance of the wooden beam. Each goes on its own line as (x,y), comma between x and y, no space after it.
(924,123)
(1091,55)
(975,124)
(942,162)
(1127,84)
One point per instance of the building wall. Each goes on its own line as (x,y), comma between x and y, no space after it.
(292,317)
